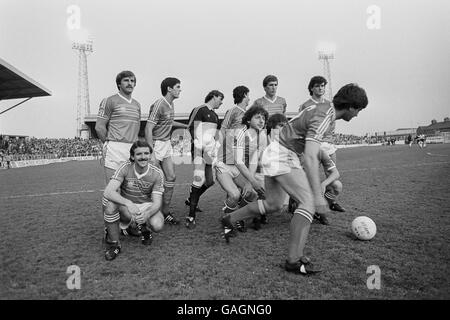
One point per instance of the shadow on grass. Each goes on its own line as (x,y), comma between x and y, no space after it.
(351,236)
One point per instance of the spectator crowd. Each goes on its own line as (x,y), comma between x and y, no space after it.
(25,148)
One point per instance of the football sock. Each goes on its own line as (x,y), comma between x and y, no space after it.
(299,230)
(112,231)
(193,198)
(167,196)
(330,197)
(230,205)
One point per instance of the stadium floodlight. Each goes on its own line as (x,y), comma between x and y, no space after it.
(326,49)
(82,46)
(83,105)
(326,53)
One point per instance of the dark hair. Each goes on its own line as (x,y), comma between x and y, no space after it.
(275,120)
(269,78)
(139,144)
(315,80)
(124,74)
(350,96)
(250,113)
(168,82)
(214,93)
(239,93)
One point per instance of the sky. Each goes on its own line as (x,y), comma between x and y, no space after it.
(399,53)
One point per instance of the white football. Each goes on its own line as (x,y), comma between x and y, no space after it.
(364,228)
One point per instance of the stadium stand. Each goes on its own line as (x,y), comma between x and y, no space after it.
(33,148)
(435,128)
(16,85)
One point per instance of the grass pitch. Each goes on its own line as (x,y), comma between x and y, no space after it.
(51,219)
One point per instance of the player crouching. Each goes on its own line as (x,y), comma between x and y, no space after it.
(135,193)
(331,187)
(241,181)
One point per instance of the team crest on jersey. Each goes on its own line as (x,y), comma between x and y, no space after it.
(145,184)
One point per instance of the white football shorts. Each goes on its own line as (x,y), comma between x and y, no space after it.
(277,160)
(115,153)
(162,149)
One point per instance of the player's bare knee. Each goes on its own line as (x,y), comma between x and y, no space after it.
(277,207)
(337,186)
(234,196)
(171,178)
(109,208)
(199,178)
(157,225)
(273,206)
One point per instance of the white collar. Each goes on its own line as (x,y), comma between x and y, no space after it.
(274,99)
(243,110)
(120,95)
(139,176)
(209,107)
(321,100)
(170,105)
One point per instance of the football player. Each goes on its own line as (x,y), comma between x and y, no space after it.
(135,195)
(284,174)
(236,177)
(203,123)
(158,132)
(270,101)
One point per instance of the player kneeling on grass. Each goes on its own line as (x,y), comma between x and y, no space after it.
(135,196)
(283,173)
(331,186)
(241,181)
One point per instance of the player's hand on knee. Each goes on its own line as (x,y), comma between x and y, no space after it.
(142,218)
(132,208)
(258,186)
(246,190)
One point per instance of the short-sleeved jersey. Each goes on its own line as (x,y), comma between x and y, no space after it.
(277,105)
(313,123)
(231,125)
(311,102)
(250,142)
(247,143)
(139,188)
(233,118)
(161,114)
(207,117)
(123,118)
(326,162)
(329,137)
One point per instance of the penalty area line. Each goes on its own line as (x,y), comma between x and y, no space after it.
(396,167)
(50,194)
(62,193)
(436,154)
